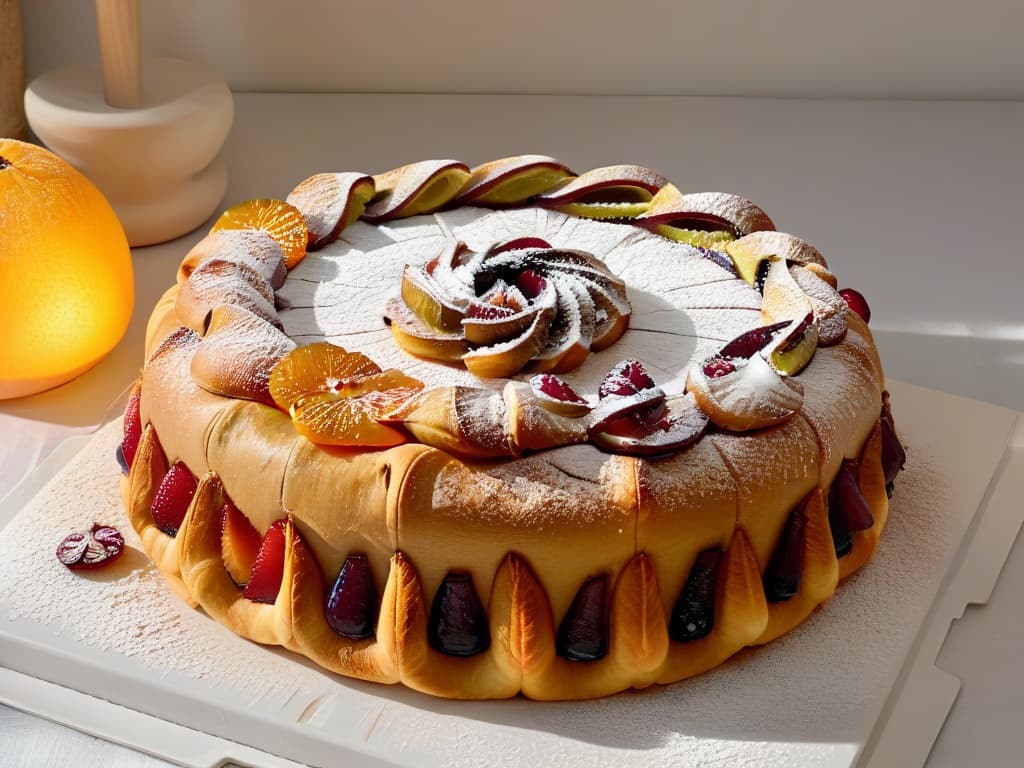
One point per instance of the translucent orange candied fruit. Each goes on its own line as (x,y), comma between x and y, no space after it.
(336,397)
(281,220)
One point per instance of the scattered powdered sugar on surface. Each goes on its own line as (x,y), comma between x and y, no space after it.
(683,305)
(803,697)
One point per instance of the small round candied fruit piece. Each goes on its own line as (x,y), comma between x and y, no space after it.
(281,220)
(85,550)
(857,303)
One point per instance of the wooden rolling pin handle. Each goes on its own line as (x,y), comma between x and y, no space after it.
(118,24)
(12,72)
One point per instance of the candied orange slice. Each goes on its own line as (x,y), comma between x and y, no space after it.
(336,397)
(281,220)
(321,368)
(331,420)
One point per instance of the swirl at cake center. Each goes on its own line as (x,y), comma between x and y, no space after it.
(520,303)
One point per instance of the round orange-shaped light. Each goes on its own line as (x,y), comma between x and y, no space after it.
(66,288)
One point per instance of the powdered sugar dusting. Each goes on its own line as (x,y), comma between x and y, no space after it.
(684,306)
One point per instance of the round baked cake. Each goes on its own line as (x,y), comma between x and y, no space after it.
(508,429)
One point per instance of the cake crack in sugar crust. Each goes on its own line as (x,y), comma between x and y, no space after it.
(508,429)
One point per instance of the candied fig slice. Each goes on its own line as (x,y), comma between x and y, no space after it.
(428,301)
(893,454)
(583,633)
(666,430)
(508,357)
(268,570)
(627,378)
(418,338)
(329,202)
(132,427)
(628,410)
(712,211)
(458,624)
(422,187)
(557,396)
(511,180)
(828,306)
(172,497)
(611,192)
(352,605)
(748,344)
(782,576)
(751,396)
(857,303)
(750,251)
(847,494)
(693,615)
(239,543)
(792,349)
(518,244)
(85,550)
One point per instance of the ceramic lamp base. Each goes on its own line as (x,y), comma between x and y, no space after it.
(158,165)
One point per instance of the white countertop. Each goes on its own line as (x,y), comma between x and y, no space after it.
(914,203)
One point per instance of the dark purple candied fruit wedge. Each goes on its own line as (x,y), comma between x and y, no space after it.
(721,259)
(854,507)
(842,537)
(352,604)
(458,624)
(893,454)
(583,635)
(171,500)
(782,576)
(122,462)
(693,615)
(748,344)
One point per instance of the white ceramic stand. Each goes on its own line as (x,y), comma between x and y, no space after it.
(159,164)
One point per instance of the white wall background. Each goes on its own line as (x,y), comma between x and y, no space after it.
(814,48)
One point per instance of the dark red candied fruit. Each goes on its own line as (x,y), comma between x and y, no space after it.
(856,302)
(132,427)
(781,578)
(693,615)
(748,344)
(716,367)
(583,635)
(458,624)
(531,283)
(268,570)
(170,503)
(555,388)
(721,259)
(352,604)
(85,550)
(626,378)
(484,311)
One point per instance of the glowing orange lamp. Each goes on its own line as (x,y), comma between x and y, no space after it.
(66,287)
